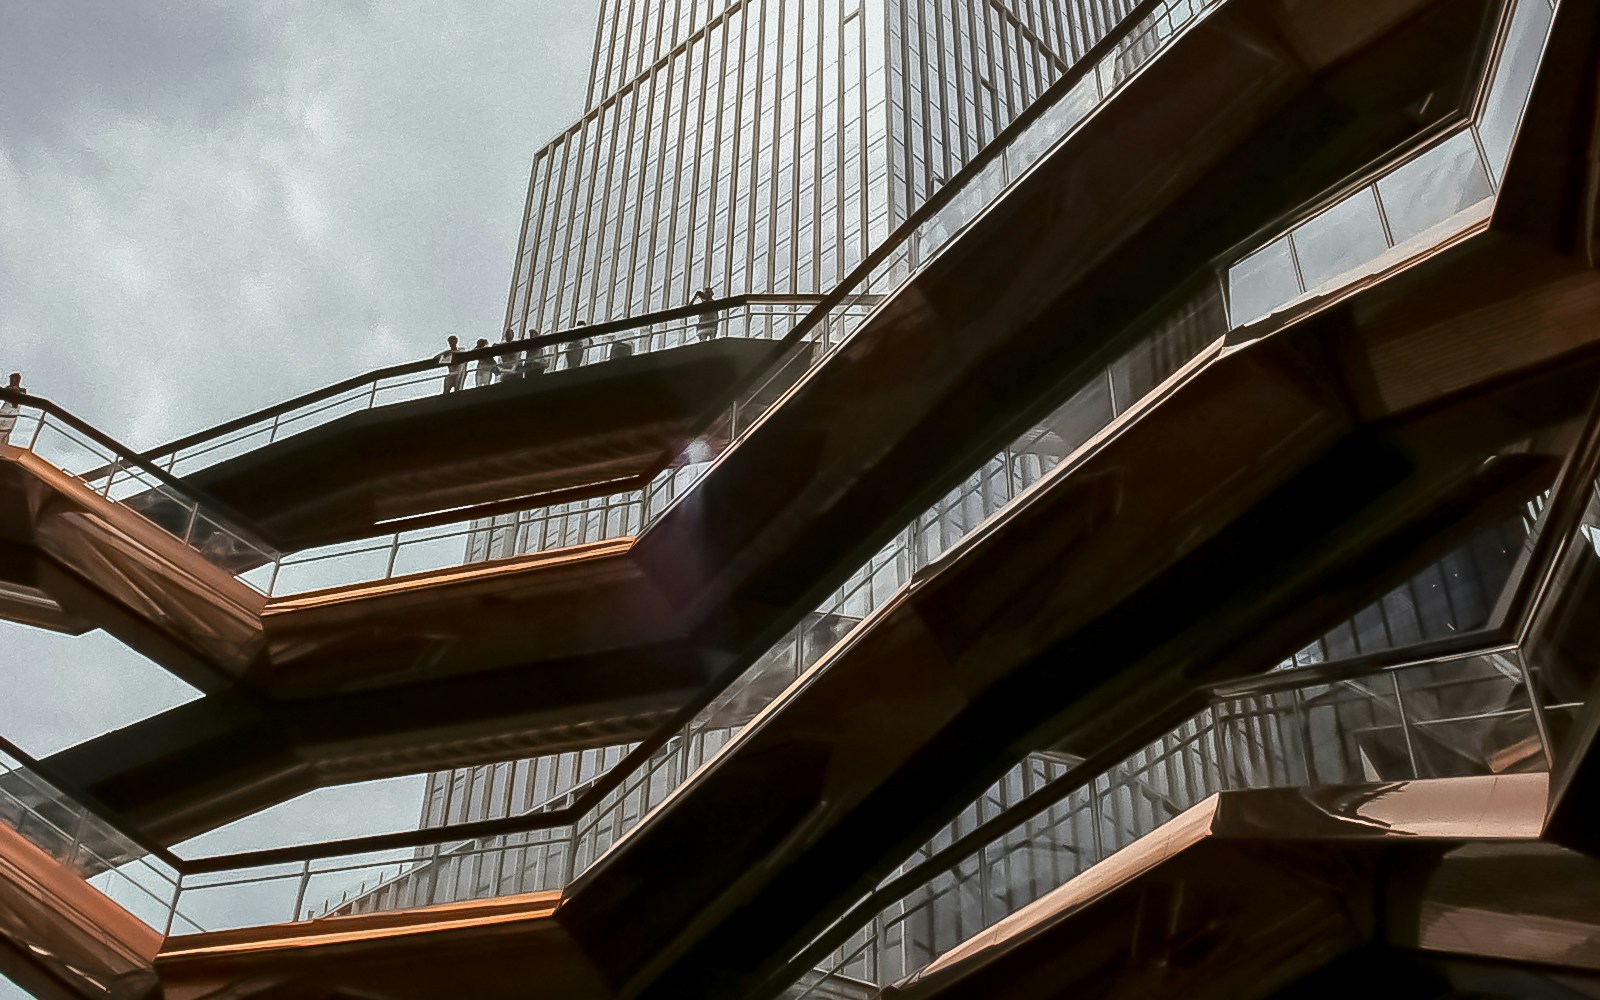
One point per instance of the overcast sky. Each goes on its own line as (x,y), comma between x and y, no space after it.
(206,207)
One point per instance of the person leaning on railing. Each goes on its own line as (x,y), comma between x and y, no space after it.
(486,368)
(9,409)
(706,326)
(576,347)
(455,377)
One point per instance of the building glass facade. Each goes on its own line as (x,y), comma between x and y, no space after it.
(759,146)
(764,146)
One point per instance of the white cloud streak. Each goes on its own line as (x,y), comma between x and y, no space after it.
(206,207)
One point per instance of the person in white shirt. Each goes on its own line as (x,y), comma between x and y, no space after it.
(9,409)
(456,378)
(483,374)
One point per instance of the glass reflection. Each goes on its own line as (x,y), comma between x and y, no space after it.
(1341,239)
(1433,188)
(1262,282)
(1513,80)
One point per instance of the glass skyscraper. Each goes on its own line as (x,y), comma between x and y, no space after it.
(764,146)
(755,146)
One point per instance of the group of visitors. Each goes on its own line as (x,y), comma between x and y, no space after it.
(10,409)
(504,366)
(510,363)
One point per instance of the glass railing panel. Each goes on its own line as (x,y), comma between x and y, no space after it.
(1565,654)
(86,846)
(121,479)
(1456,595)
(248,898)
(759,318)
(1334,244)
(1263,281)
(1417,205)
(1472,717)
(1434,188)
(1293,735)
(339,565)
(1513,81)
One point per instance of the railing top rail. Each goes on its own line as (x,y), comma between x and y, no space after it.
(127,458)
(843,294)
(1484,642)
(103,816)
(467,356)
(822,305)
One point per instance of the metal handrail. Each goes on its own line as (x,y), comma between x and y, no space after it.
(642,754)
(1083,776)
(87,802)
(367,379)
(126,458)
(841,294)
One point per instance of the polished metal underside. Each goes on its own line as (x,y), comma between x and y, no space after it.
(1284,477)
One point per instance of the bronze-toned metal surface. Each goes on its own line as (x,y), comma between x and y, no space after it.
(1253,892)
(566,435)
(61,938)
(1412,433)
(508,948)
(192,616)
(786,513)
(1123,550)
(1268,489)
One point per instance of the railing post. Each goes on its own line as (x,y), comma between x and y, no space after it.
(188,531)
(1094,819)
(272,435)
(1304,728)
(1405,722)
(172,911)
(1541,723)
(300,892)
(38,429)
(394,554)
(111,477)
(77,839)
(272,582)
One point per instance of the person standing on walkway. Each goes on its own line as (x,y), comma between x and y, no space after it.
(456,376)
(10,409)
(514,364)
(706,327)
(575,348)
(484,372)
(534,359)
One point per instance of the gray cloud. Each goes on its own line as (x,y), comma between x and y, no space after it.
(63,60)
(207,207)
(349,189)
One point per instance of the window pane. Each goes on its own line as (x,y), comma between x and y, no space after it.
(1340,240)
(1513,79)
(1434,187)
(1262,282)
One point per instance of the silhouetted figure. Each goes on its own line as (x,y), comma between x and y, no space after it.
(575,348)
(484,372)
(512,364)
(535,356)
(9,410)
(621,349)
(706,327)
(456,376)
